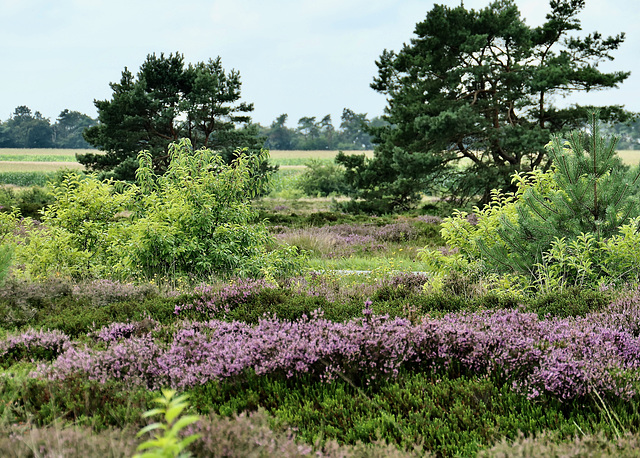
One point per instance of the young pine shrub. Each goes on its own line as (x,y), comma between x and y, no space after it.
(573,225)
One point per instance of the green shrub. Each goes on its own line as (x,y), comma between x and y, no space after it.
(447,416)
(29,201)
(321,180)
(569,302)
(75,400)
(194,221)
(169,444)
(576,224)
(76,317)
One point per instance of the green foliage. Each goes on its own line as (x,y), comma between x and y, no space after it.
(29,201)
(470,101)
(83,233)
(77,317)
(195,221)
(168,444)
(56,304)
(446,415)
(26,178)
(587,192)
(168,101)
(569,302)
(198,219)
(321,180)
(574,225)
(83,402)
(9,224)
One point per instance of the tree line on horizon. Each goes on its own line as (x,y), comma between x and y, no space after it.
(26,128)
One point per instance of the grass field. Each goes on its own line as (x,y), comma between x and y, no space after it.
(630,157)
(47,160)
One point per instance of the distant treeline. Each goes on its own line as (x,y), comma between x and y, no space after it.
(27,129)
(629,134)
(313,134)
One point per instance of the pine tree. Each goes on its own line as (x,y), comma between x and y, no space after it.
(590,192)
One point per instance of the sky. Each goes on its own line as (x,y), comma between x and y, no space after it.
(300,57)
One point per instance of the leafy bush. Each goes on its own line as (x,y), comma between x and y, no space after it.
(169,444)
(321,180)
(29,201)
(194,221)
(569,302)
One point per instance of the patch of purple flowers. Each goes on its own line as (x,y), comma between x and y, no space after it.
(565,358)
(33,344)
(210,300)
(117,331)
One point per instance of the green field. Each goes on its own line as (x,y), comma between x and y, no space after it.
(48,160)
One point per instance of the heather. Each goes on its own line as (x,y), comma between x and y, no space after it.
(563,358)
(345,358)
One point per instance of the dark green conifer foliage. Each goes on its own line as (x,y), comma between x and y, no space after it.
(167,101)
(470,101)
(592,193)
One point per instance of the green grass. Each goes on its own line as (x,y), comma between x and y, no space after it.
(630,157)
(389,263)
(38,158)
(33,166)
(26,178)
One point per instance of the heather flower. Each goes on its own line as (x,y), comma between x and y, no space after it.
(117,331)
(429,219)
(209,300)
(103,292)
(565,358)
(33,344)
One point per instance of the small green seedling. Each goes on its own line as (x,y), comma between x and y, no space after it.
(168,445)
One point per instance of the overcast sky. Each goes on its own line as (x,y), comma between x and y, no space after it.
(300,57)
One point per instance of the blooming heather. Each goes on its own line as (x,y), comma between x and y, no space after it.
(33,344)
(210,300)
(565,358)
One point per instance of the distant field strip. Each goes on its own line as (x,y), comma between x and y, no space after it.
(37,166)
(630,157)
(38,158)
(313,154)
(44,152)
(47,160)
